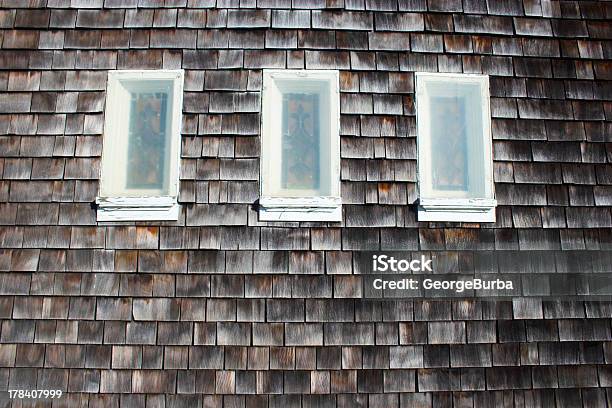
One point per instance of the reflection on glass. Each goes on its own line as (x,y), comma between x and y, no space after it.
(147,140)
(300,143)
(449,144)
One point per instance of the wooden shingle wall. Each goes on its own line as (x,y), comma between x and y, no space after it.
(219,309)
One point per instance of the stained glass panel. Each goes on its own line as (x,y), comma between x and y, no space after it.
(147,149)
(300,142)
(449,144)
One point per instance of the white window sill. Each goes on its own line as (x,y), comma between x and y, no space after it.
(457,210)
(137,209)
(325,209)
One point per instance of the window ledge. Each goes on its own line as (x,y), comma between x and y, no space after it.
(457,210)
(327,209)
(137,209)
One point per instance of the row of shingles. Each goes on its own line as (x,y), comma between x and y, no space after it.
(432,238)
(565,9)
(307,251)
(347,20)
(313,59)
(145,353)
(241,262)
(559,342)
(548,239)
(338,20)
(420,344)
(254,288)
(87,245)
(218,286)
(149,282)
(274,240)
(315,382)
(208,381)
(586,366)
(392,41)
(255,18)
(315,310)
(65,248)
(389,41)
(546,397)
(303,381)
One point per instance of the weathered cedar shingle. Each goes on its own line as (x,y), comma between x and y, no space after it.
(389,41)
(290,19)
(173,39)
(483,24)
(100,19)
(346,20)
(398,22)
(248,18)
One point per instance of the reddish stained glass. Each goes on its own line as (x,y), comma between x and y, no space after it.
(449,144)
(148,148)
(300,143)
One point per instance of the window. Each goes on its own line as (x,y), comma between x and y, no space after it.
(140,158)
(300,158)
(455,163)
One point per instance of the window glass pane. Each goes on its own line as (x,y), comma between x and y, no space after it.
(148,142)
(300,142)
(449,144)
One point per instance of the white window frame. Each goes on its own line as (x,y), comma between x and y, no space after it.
(146,206)
(433,207)
(273,206)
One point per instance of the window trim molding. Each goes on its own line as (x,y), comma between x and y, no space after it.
(459,210)
(164,208)
(308,208)
(300,209)
(481,209)
(142,208)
